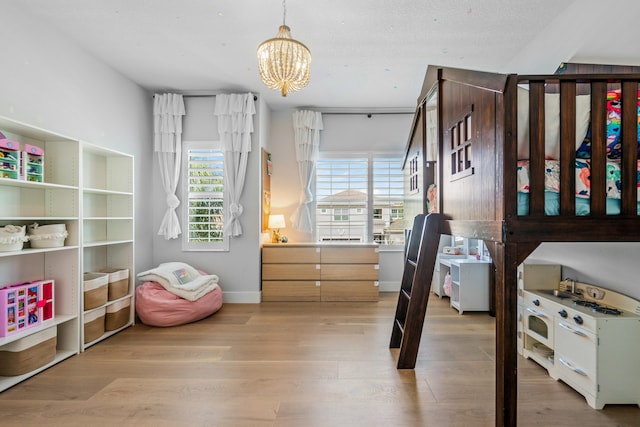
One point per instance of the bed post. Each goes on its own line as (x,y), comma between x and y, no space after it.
(506,258)
(506,297)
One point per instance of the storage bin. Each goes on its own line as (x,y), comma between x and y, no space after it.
(25,305)
(117,314)
(12,237)
(95,289)
(94,325)
(118,282)
(47,236)
(28,353)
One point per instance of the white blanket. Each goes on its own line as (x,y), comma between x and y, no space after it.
(181,279)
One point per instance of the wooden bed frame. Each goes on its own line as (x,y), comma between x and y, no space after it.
(476,169)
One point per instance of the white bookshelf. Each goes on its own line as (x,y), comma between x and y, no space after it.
(89,189)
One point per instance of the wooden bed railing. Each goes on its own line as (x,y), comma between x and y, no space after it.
(568,87)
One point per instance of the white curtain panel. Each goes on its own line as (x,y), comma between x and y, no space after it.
(235,125)
(168,110)
(307,126)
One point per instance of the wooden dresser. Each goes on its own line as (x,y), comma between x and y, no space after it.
(320,272)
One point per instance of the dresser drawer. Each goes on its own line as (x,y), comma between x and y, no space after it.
(349,272)
(291,271)
(290,255)
(349,291)
(292,290)
(349,255)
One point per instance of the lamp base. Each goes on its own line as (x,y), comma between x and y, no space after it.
(276,237)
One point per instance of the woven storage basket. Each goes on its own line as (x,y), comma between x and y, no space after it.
(96,290)
(12,238)
(117,314)
(28,353)
(47,236)
(118,282)
(94,325)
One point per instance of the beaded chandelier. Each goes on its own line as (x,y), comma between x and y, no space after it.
(284,63)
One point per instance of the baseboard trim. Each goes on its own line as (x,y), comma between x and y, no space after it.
(241,297)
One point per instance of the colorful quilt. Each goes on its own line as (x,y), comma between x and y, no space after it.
(583,177)
(614,119)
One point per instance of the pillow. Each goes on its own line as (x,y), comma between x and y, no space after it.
(552,122)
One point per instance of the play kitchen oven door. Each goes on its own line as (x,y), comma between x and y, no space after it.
(538,322)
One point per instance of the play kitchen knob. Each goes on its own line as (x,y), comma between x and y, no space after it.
(578,319)
(563,313)
(536,302)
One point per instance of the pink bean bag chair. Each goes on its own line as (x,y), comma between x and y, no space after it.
(156,306)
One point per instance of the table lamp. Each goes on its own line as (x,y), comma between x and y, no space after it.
(276,222)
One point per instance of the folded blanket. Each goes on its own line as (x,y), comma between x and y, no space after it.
(181,279)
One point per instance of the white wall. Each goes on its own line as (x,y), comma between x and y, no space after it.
(345,133)
(46,81)
(239,268)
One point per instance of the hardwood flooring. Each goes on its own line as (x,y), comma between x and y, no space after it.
(295,364)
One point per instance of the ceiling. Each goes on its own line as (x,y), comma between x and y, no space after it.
(366,54)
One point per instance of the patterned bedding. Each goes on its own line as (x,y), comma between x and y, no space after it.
(583,155)
(583,177)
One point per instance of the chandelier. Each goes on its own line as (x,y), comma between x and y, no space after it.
(284,63)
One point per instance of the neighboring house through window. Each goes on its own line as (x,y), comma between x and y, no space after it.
(360,198)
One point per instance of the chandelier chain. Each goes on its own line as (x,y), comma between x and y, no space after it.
(284,12)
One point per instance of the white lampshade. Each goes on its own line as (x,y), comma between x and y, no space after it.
(276,221)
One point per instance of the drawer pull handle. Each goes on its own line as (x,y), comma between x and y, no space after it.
(573,368)
(535,313)
(569,328)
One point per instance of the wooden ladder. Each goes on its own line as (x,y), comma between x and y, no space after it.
(415,288)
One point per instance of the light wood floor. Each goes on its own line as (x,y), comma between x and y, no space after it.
(295,364)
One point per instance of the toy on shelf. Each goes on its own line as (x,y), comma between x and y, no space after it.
(9,155)
(25,305)
(32,163)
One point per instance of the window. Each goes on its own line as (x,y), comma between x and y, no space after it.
(341,214)
(388,199)
(204,197)
(360,198)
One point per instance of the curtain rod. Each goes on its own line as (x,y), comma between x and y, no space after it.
(373,113)
(255,97)
(363,110)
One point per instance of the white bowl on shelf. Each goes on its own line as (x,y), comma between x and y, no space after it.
(12,238)
(47,236)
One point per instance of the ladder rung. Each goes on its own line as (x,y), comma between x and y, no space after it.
(412,262)
(400,325)
(405,293)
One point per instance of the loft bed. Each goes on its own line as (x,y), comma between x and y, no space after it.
(517,160)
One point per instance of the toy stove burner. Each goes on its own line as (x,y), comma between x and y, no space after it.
(597,307)
(584,303)
(607,310)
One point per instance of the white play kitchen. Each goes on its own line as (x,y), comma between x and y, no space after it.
(584,335)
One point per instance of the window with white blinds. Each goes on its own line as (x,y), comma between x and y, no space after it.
(204,207)
(359,199)
(388,200)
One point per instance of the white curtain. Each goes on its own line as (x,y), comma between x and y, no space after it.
(235,125)
(307,125)
(168,110)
